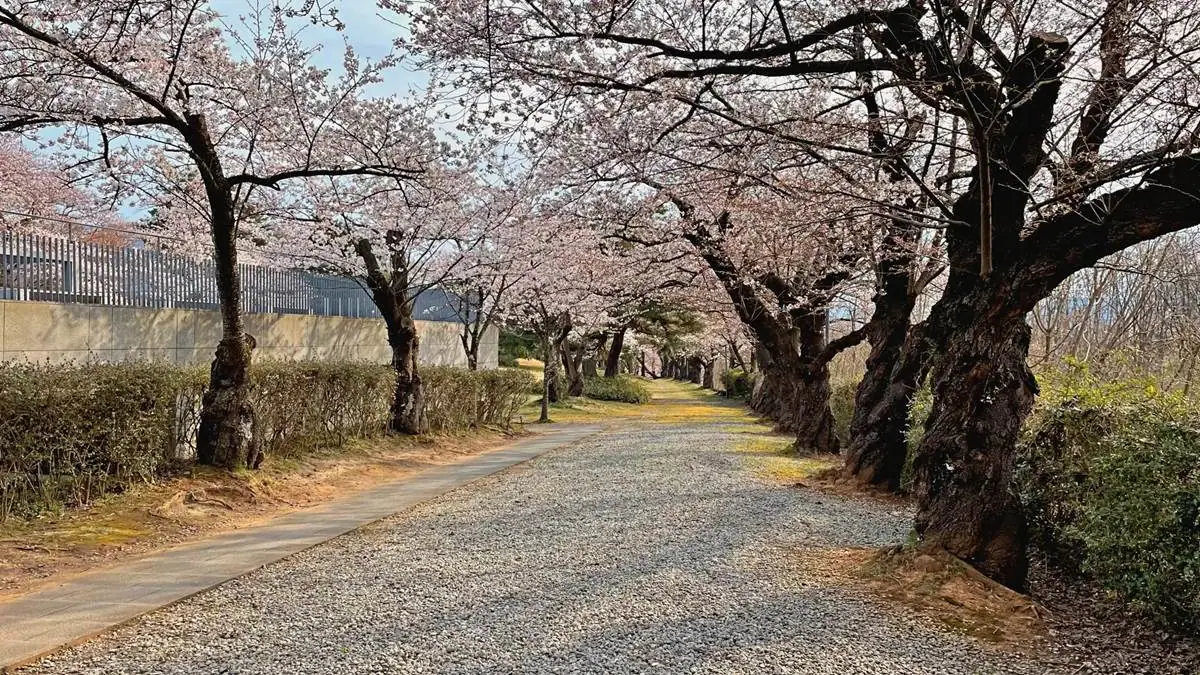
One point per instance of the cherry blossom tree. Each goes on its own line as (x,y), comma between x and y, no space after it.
(191,111)
(401,241)
(1076,137)
(761,217)
(36,196)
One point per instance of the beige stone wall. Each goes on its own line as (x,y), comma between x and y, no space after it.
(38,331)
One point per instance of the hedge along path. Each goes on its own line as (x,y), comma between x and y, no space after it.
(46,620)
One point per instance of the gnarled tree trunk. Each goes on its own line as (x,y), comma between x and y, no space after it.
(895,367)
(983,390)
(878,430)
(227,436)
(408,400)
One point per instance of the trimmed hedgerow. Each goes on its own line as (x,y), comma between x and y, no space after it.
(457,399)
(303,406)
(70,433)
(625,388)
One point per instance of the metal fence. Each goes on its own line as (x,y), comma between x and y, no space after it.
(54,269)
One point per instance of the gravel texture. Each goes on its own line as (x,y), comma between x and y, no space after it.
(648,549)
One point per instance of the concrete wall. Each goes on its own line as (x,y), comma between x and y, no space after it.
(40,331)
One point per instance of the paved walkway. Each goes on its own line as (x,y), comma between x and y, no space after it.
(90,604)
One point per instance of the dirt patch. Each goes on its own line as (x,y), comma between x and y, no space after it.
(832,481)
(939,587)
(146,518)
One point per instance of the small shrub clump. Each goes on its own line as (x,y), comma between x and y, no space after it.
(738,383)
(624,388)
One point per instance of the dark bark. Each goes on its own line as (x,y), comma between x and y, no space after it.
(878,445)
(983,390)
(710,380)
(227,436)
(408,401)
(695,370)
(878,430)
(795,389)
(549,377)
(797,400)
(612,364)
(559,329)
(572,361)
(392,297)
(470,343)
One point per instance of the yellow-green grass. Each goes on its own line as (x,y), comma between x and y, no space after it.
(772,456)
(672,402)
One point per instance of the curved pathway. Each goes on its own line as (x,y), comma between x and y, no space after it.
(649,549)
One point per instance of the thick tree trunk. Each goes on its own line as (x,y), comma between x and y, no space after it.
(813,417)
(572,361)
(983,390)
(797,400)
(612,364)
(878,430)
(766,397)
(710,375)
(895,369)
(408,400)
(227,436)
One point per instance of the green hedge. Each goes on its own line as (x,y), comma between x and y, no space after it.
(70,433)
(1110,476)
(625,388)
(307,405)
(457,399)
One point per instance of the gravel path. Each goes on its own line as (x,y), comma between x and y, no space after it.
(651,549)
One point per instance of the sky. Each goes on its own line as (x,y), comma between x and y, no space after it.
(366,29)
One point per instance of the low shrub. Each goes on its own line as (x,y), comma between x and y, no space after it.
(841,403)
(70,433)
(738,383)
(1109,473)
(457,399)
(303,406)
(625,388)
